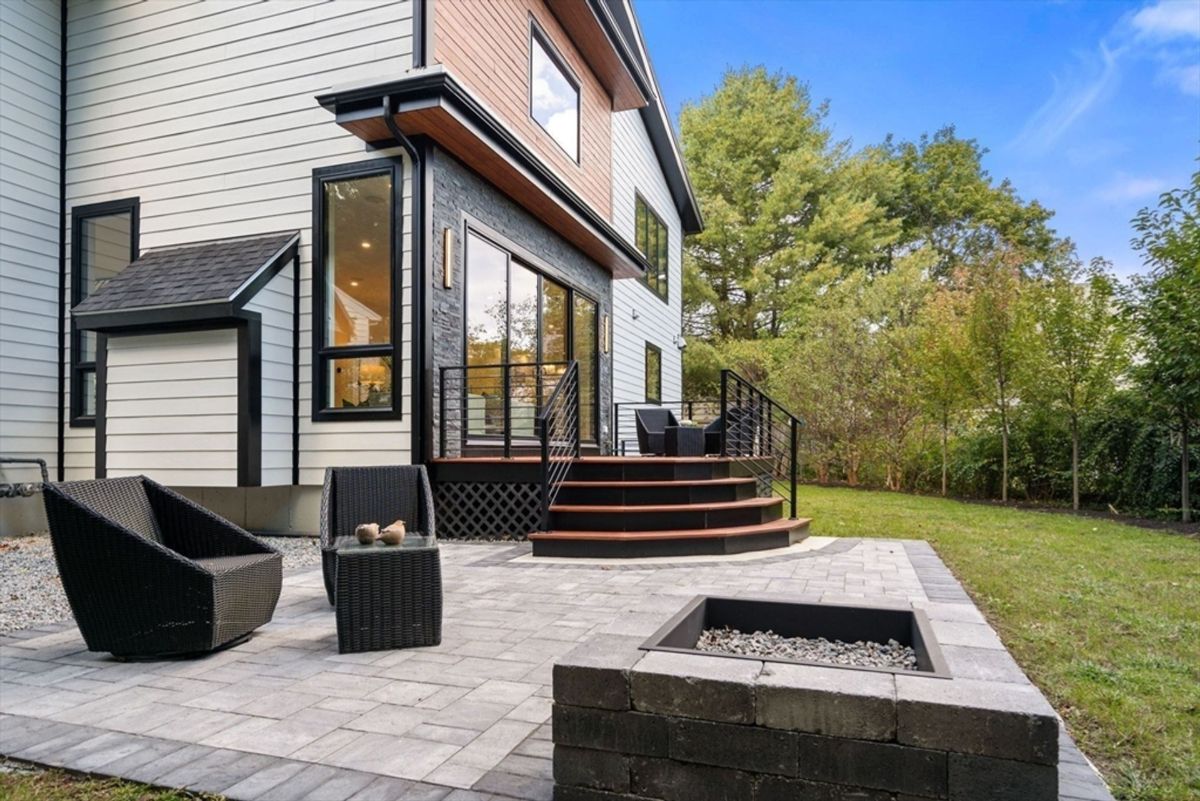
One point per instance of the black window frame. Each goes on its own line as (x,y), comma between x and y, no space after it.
(655,349)
(536,33)
(323,353)
(524,258)
(80,368)
(660,285)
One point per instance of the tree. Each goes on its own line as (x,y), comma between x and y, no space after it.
(998,335)
(780,199)
(942,365)
(946,200)
(1166,308)
(1083,342)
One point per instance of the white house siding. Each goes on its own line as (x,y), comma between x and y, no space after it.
(636,170)
(274,303)
(172,407)
(206,112)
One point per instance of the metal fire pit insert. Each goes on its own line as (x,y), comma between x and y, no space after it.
(788,619)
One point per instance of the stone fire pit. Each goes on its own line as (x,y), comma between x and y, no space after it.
(675,724)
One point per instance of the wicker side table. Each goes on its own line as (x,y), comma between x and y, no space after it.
(388,596)
(684,441)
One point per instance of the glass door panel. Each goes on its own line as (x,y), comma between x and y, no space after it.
(584,352)
(487,336)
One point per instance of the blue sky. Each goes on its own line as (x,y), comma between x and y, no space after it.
(1091,108)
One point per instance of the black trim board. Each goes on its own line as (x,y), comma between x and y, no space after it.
(249,401)
(434,87)
(60,468)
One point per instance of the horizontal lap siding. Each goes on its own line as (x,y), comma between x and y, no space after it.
(180,430)
(636,170)
(29,220)
(274,303)
(486,46)
(206,112)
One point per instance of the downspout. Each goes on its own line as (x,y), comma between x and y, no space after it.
(421,450)
(62,241)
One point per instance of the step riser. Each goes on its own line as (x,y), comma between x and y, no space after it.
(616,549)
(666,521)
(648,471)
(699,492)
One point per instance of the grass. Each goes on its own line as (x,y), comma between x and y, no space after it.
(57,785)
(1103,617)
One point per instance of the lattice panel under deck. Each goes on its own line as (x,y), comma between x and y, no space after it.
(473,510)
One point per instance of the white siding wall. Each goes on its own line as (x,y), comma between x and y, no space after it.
(274,303)
(636,169)
(29,220)
(206,112)
(172,407)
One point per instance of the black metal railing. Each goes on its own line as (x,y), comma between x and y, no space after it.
(491,406)
(13,489)
(558,429)
(760,435)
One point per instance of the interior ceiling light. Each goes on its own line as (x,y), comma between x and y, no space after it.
(366,245)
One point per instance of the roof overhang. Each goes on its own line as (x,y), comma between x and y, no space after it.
(432,103)
(595,33)
(92,315)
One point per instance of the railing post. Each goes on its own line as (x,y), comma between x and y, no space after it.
(795,437)
(724,416)
(573,369)
(505,381)
(545,432)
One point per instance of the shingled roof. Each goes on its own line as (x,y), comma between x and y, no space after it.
(217,277)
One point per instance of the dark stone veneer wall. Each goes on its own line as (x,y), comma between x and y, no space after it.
(459,192)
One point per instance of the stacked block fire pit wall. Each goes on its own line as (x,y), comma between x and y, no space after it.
(632,724)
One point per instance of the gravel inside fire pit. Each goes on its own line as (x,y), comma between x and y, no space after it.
(836,652)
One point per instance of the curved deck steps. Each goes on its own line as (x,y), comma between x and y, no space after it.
(662,506)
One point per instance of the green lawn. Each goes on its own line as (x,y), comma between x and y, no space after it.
(1104,617)
(55,785)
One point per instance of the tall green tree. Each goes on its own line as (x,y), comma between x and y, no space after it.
(998,334)
(1166,309)
(946,200)
(780,198)
(1082,342)
(942,364)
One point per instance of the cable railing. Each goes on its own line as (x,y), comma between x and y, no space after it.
(494,406)
(558,429)
(760,436)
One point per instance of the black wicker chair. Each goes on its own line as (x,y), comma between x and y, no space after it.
(150,574)
(652,429)
(354,495)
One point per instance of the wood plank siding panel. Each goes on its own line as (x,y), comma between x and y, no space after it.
(29,220)
(274,304)
(179,430)
(206,112)
(486,46)
(636,170)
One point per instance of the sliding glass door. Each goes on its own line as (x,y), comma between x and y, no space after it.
(519,316)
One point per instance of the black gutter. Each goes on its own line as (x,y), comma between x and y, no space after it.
(62,240)
(434,87)
(421,441)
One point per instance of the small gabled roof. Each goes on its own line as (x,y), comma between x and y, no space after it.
(199,280)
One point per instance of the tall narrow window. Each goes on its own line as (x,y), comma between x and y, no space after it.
(104,240)
(653,240)
(553,94)
(355,280)
(653,374)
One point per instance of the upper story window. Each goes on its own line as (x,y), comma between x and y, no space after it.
(652,239)
(553,94)
(104,240)
(355,267)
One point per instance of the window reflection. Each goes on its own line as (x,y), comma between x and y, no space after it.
(553,99)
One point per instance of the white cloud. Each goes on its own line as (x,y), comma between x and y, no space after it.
(1125,188)
(1186,79)
(1168,19)
(1091,79)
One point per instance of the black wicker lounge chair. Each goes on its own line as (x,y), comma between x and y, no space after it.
(652,428)
(150,574)
(354,495)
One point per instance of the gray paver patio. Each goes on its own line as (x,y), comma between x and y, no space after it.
(284,716)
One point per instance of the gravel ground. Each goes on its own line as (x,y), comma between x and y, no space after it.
(767,643)
(31,594)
